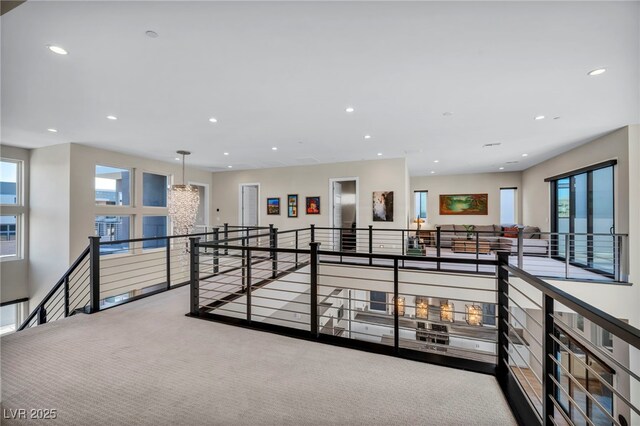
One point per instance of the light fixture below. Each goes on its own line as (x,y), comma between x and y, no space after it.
(112,117)
(213,120)
(349,109)
(473,314)
(597,71)
(57,49)
(446,312)
(53,130)
(539,117)
(182,205)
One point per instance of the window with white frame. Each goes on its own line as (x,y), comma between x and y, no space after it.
(112,229)
(12,209)
(420,198)
(508,206)
(154,190)
(112,186)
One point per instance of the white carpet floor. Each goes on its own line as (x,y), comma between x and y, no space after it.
(145,363)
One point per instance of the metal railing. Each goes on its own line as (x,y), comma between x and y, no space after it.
(380,302)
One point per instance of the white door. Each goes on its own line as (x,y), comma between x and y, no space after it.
(337,213)
(249,207)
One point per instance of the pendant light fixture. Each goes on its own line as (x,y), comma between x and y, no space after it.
(183,202)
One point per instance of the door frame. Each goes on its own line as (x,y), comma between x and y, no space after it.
(207,219)
(240,186)
(343,179)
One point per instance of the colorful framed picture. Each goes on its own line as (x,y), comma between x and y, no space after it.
(273,205)
(313,205)
(459,204)
(292,205)
(383,206)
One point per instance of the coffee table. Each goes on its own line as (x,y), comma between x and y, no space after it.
(463,245)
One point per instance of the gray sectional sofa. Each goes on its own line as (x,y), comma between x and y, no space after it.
(498,238)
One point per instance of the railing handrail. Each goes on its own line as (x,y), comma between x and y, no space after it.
(137,240)
(608,322)
(55,288)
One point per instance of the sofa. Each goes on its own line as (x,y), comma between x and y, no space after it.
(504,238)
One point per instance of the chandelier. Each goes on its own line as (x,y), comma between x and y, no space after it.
(183,202)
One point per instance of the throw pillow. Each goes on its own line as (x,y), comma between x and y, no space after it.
(510,231)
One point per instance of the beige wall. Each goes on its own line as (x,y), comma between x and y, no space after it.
(536,206)
(377,175)
(489,183)
(14,273)
(49,217)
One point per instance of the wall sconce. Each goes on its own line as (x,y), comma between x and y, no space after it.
(446,312)
(473,314)
(422,308)
(399,304)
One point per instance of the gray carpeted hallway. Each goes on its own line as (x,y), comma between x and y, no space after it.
(145,363)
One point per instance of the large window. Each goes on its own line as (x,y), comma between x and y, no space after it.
(154,190)
(583,216)
(13,209)
(420,202)
(11,315)
(154,226)
(112,186)
(112,229)
(508,206)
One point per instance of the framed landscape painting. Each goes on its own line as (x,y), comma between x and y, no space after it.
(313,205)
(464,204)
(383,206)
(292,205)
(273,205)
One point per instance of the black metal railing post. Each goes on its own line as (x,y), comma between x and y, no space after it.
(42,315)
(477,250)
(521,247)
(226,238)
(313,304)
(271,242)
(248,276)
(567,254)
(216,251)
(274,257)
(66,296)
(341,244)
(502,369)
(548,365)
(370,244)
(296,249)
(168,257)
(438,240)
(194,274)
(404,244)
(313,233)
(244,263)
(396,310)
(94,274)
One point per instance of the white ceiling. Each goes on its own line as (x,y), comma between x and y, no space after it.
(282,74)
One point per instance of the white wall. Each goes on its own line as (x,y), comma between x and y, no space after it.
(377,175)
(481,183)
(14,273)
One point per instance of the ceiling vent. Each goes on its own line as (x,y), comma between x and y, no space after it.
(488,145)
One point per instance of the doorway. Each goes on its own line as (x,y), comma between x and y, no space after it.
(344,213)
(202,216)
(249,204)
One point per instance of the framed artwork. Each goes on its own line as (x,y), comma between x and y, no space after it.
(273,205)
(292,205)
(464,204)
(383,206)
(313,205)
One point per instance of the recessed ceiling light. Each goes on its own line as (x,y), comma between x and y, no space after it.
(539,117)
(379,154)
(447,113)
(367,136)
(349,109)
(436,161)
(151,34)
(275,148)
(57,49)
(112,117)
(525,155)
(226,153)
(53,130)
(501,168)
(213,120)
(177,158)
(230,167)
(597,71)
(433,172)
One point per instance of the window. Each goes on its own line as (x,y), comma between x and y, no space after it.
(113,186)
(113,228)
(508,206)
(9,173)
(8,235)
(154,226)
(154,190)
(378,301)
(11,315)
(420,205)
